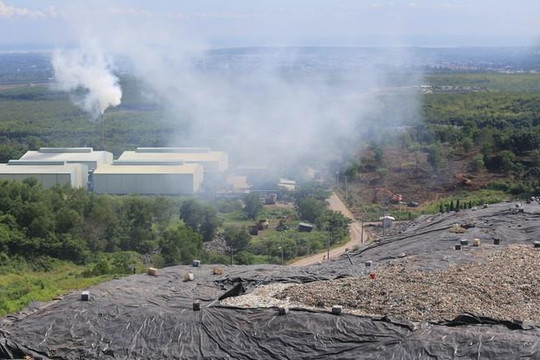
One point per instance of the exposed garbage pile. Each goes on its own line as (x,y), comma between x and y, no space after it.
(165,317)
(506,288)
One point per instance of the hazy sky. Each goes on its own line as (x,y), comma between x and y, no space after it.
(285,22)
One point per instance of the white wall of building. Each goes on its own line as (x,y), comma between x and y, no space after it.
(74,175)
(148,179)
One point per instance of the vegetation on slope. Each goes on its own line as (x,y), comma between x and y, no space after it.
(478,132)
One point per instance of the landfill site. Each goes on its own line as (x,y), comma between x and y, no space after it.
(462,285)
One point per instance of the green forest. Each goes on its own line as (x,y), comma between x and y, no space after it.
(34,116)
(500,124)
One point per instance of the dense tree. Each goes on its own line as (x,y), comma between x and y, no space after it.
(336,224)
(200,218)
(69,223)
(236,237)
(244,258)
(507,159)
(310,209)
(477,163)
(378,155)
(141,235)
(535,157)
(467,144)
(4,238)
(181,246)
(435,155)
(311,190)
(252,206)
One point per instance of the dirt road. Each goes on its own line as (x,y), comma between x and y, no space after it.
(355,234)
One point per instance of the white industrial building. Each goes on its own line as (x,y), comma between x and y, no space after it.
(148,178)
(146,171)
(48,173)
(212,161)
(82,155)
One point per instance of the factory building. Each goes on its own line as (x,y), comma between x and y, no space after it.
(148,178)
(86,156)
(146,171)
(213,162)
(48,173)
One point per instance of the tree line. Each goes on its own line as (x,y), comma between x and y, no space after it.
(72,224)
(75,225)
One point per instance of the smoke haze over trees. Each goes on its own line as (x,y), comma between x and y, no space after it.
(277,100)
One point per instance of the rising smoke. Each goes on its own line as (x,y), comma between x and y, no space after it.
(88,75)
(271,106)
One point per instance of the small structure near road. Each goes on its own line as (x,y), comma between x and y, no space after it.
(387,221)
(286,184)
(304,227)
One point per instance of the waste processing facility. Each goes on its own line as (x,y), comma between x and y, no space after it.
(212,161)
(80,155)
(148,179)
(48,174)
(146,171)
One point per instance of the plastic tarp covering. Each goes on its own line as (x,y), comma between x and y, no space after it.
(146,317)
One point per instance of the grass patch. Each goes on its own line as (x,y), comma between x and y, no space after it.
(476,198)
(238,218)
(373,212)
(22,287)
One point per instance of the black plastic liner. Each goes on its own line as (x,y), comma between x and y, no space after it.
(146,317)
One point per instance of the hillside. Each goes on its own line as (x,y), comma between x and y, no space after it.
(477,132)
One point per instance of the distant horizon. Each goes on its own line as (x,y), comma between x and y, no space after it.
(33,47)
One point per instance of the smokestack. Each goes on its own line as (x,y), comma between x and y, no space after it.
(102,120)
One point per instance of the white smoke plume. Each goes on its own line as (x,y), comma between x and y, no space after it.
(266,108)
(88,75)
